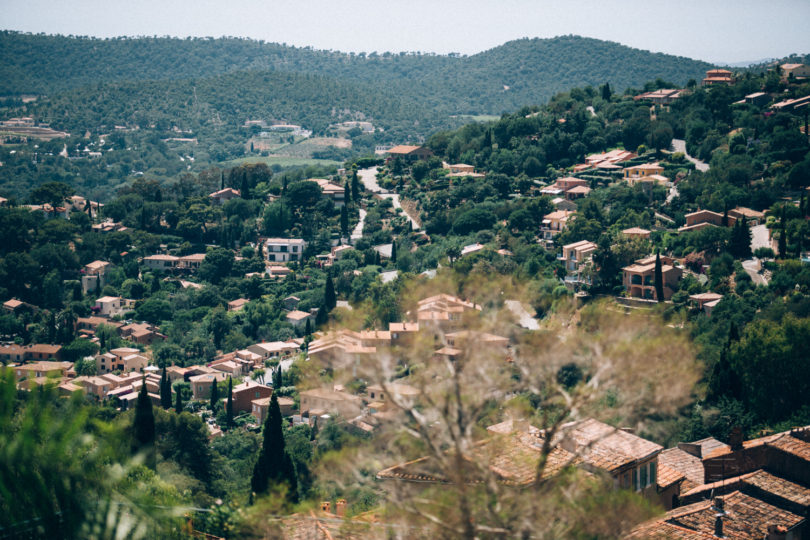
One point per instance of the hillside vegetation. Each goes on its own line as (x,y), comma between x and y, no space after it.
(532,69)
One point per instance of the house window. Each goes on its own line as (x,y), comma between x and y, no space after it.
(643,476)
(372,395)
(653,471)
(635,478)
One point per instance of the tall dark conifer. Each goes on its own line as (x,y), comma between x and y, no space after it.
(229,405)
(355,186)
(165,390)
(143,427)
(274,464)
(659,278)
(783,235)
(394,251)
(214,395)
(344,221)
(329,297)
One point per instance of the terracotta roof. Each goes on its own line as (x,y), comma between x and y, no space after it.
(636,230)
(667,476)
(403,149)
(604,446)
(579,189)
(297,315)
(513,458)
(747,517)
(688,464)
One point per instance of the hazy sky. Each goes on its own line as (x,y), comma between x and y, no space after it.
(713,30)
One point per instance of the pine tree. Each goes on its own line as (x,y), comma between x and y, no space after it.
(214,395)
(143,426)
(229,405)
(329,297)
(178,402)
(165,391)
(274,464)
(659,278)
(394,251)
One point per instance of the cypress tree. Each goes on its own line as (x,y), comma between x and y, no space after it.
(394,251)
(344,221)
(178,402)
(214,395)
(308,328)
(165,390)
(143,426)
(222,180)
(274,464)
(659,278)
(329,298)
(783,236)
(229,405)
(355,186)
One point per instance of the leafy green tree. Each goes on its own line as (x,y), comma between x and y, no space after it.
(178,402)
(79,349)
(143,427)
(53,193)
(153,310)
(217,265)
(277,218)
(303,195)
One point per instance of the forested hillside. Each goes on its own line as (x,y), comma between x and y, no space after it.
(501,79)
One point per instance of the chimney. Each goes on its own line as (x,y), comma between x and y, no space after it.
(340,508)
(325,506)
(735,438)
(719,505)
(776,532)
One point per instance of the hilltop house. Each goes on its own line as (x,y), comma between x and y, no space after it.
(576,256)
(408,153)
(224,195)
(320,401)
(648,172)
(718,76)
(284,249)
(94,276)
(795,71)
(639,278)
(244,394)
(554,223)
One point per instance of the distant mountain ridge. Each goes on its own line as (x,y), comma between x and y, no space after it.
(517,73)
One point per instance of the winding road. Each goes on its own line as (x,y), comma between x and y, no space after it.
(679,145)
(369,179)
